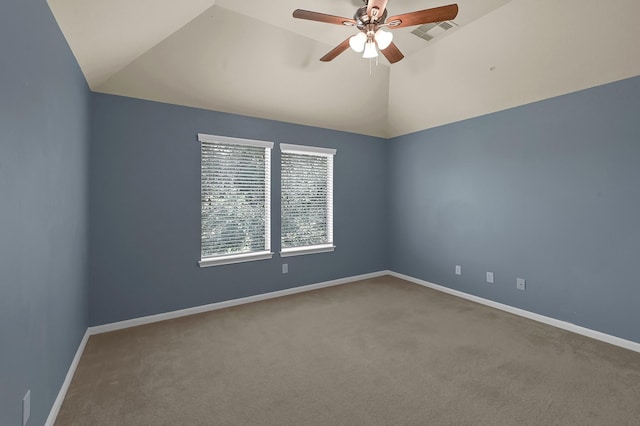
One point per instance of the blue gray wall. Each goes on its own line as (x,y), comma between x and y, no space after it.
(145,209)
(549,192)
(44,106)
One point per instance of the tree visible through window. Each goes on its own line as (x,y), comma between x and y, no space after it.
(235,199)
(306,199)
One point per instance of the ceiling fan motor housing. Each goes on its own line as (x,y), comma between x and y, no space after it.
(362,18)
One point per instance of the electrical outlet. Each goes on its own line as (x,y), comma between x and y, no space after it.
(285,268)
(520,284)
(458,270)
(26,407)
(490,277)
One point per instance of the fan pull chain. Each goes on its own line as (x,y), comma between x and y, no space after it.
(370,67)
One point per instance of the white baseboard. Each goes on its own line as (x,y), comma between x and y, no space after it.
(53,414)
(607,338)
(617,341)
(55,409)
(226,304)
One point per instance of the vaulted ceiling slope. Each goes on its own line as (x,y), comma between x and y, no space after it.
(251,57)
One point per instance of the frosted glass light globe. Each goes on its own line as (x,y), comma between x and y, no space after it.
(358,41)
(383,38)
(370,50)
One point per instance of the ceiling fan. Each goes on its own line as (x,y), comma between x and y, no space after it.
(370,19)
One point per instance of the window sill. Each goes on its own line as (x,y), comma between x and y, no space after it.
(299,251)
(234,258)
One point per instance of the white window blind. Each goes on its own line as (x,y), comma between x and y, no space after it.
(307,199)
(235,200)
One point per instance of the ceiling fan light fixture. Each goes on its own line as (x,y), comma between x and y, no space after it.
(370,50)
(383,38)
(369,19)
(358,41)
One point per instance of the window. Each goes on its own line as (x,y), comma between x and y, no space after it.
(235,200)
(307,200)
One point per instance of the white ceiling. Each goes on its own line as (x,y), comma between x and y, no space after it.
(252,57)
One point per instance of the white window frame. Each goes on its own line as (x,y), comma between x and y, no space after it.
(329,153)
(251,256)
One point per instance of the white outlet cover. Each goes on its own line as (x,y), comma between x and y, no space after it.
(458,270)
(521,284)
(489,277)
(285,268)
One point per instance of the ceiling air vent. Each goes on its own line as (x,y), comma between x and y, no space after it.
(430,31)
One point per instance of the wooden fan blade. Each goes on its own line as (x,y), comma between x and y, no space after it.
(379,4)
(322,17)
(336,51)
(392,53)
(437,14)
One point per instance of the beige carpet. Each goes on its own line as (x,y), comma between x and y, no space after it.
(375,352)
